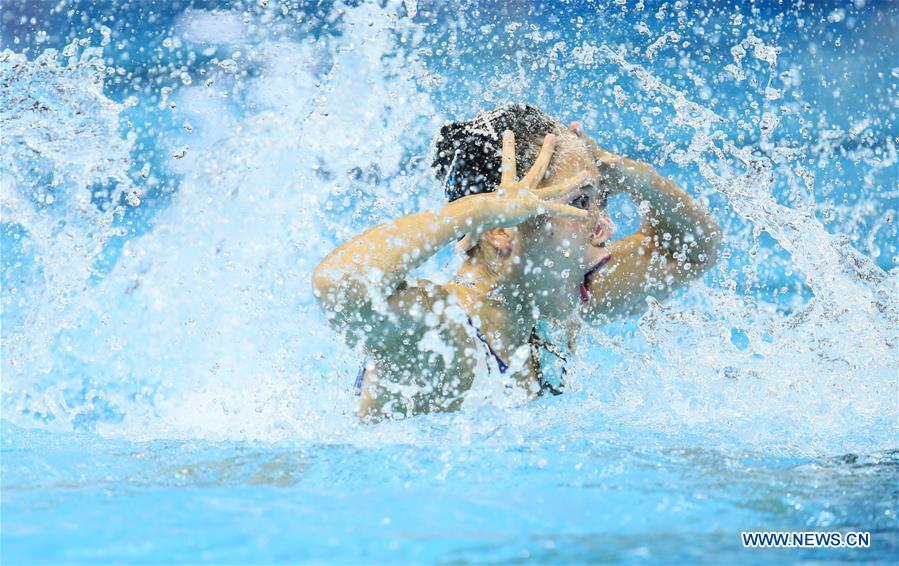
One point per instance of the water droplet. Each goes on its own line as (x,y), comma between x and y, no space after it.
(228,65)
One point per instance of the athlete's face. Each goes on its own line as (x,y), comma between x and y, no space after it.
(557,253)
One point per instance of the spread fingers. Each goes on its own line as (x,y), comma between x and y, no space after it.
(535,175)
(508,166)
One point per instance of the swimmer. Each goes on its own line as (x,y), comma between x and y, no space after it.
(538,264)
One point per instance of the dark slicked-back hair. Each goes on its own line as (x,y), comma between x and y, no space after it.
(469,154)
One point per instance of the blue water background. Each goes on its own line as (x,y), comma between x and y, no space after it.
(81,483)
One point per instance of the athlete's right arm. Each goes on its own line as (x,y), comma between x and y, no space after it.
(361,285)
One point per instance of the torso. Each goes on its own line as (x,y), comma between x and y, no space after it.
(432,372)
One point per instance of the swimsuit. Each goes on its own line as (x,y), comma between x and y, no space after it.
(549,357)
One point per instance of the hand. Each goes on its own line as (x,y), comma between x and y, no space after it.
(613,168)
(513,201)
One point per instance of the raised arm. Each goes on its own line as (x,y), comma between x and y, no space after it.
(357,281)
(678,241)
(360,285)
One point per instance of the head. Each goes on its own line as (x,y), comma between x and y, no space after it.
(544,260)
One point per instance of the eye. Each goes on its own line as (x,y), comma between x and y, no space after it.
(581,201)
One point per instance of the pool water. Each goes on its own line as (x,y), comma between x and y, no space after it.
(562,495)
(173,173)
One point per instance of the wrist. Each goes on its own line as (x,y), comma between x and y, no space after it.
(462,216)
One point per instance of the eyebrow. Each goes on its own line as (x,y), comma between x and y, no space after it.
(601,190)
(593,186)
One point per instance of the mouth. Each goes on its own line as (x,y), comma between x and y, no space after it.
(587,283)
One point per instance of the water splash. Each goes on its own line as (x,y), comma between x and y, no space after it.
(66,180)
(825,371)
(206,328)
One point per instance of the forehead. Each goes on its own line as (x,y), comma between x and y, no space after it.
(571,156)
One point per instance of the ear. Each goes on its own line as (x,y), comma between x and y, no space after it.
(502,239)
(466,243)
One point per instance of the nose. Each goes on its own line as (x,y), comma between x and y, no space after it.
(602,232)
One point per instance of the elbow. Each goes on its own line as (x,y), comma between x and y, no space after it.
(320,281)
(335,291)
(320,278)
(325,286)
(702,249)
(330,292)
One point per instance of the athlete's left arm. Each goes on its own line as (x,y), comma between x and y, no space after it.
(678,241)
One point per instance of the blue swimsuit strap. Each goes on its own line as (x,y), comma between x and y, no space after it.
(503,366)
(357,385)
(535,340)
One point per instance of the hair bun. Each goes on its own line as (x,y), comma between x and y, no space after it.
(468,155)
